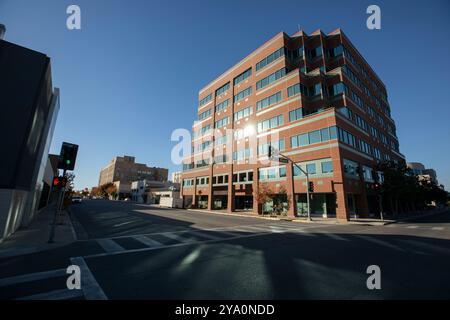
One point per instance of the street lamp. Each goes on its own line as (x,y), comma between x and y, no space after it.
(285,159)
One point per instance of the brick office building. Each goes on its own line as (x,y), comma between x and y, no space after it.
(328,111)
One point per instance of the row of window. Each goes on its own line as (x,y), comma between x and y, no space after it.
(222,105)
(321,166)
(263,149)
(242,154)
(315,136)
(204,114)
(222,122)
(270,58)
(205,100)
(222,89)
(270,123)
(270,78)
(204,130)
(242,113)
(242,94)
(247,73)
(266,102)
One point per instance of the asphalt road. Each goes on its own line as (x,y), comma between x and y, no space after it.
(130,251)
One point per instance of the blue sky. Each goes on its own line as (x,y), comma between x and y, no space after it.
(132,74)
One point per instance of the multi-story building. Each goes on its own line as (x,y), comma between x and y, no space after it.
(126,170)
(312,97)
(29,107)
(423,173)
(176,176)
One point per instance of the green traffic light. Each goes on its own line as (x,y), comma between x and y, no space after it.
(67,161)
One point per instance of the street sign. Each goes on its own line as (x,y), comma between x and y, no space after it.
(68,156)
(281,160)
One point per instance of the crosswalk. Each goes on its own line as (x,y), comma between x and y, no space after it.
(29,284)
(421,227)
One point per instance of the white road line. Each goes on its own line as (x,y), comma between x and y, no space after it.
(380,242)
(32,277)
(412,227)
(304,232)
(62,294)
(91,288)
(335,236)
(177,237)
(109,245)
(437,228)
(147,241)
(123,223)
(427,246)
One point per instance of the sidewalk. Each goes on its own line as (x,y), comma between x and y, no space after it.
(353,221)
(35,237)
(374,222)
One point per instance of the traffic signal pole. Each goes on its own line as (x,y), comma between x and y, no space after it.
(305,172)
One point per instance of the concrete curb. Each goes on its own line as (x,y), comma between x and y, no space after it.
(417,217)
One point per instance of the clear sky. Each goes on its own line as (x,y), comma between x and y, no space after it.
(132,73)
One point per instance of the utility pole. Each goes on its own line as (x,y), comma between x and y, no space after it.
(285,159)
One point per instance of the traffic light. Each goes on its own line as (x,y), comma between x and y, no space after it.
(68,156)
(59,182)
(311,186)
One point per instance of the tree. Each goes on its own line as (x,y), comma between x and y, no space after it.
(263,195)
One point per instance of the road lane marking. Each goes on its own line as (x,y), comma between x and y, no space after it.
(228,233)
(437,228)
(380,242)
(32,277)
(178,238)
(427,246)
(110,245)
(147,241)
(124,223)
(176,245)
(91,288)
(412,227)
(62,294)
(334,236)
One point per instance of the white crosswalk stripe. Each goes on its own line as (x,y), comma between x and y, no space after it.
(147,241)
(412,227)
(178,237)
(437,228)
(110,245)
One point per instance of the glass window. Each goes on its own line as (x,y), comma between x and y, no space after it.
(242,177)
(303,139)
(327,167)
(294,142)
(311,168)
(282,172)
(314,136)
(325,133)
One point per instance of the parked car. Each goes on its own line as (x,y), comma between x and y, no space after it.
(76,199)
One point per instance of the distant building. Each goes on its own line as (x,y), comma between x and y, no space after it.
(29,106)
(165,194)
(423,174)
(176,176)
(126,170)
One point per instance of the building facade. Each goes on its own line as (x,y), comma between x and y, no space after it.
(126,170)
(315,99)
(423,173)
(29,106)
(176,176)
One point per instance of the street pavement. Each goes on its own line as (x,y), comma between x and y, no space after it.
(133,251)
